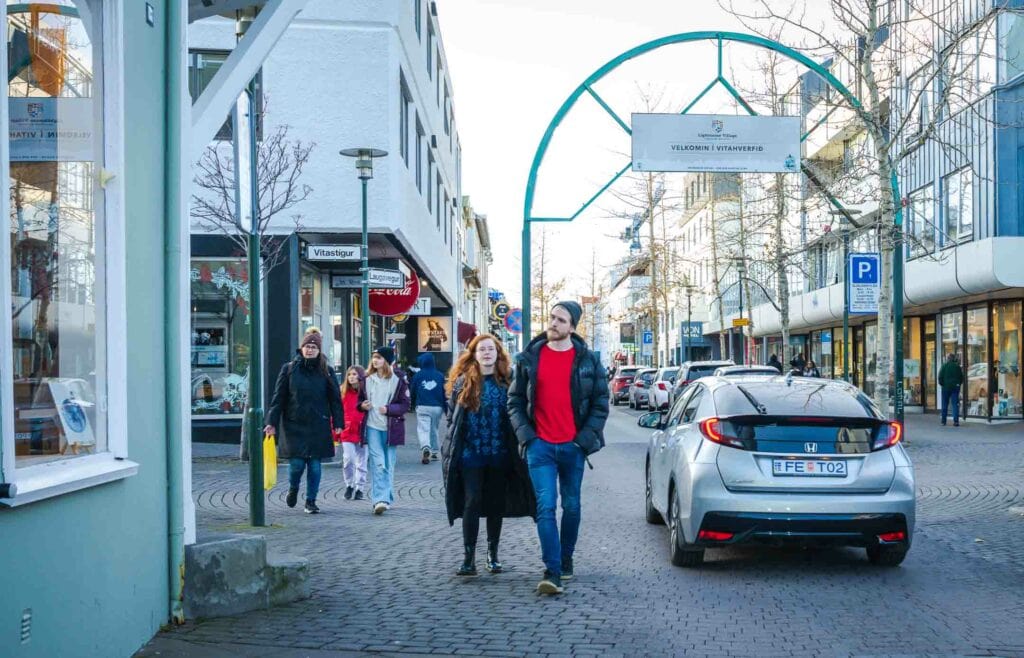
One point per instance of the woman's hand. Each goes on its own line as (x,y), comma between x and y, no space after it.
(383,411)
(366,406)
(269,430)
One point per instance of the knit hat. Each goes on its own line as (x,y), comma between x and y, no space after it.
(313,337)
(386,352)
(574,310)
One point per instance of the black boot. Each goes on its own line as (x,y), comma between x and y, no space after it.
(468,567)
(493,565)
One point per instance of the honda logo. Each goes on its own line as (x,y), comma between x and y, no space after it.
(810,447)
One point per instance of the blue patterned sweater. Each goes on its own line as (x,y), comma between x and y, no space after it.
(484,443)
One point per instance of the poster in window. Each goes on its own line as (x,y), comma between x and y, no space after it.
(435,334)
(69,399)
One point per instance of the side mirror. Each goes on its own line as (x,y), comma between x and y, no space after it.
(651,421)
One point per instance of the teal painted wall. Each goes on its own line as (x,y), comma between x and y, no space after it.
(92,565)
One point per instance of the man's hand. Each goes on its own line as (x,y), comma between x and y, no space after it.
(383,411)
(269,430)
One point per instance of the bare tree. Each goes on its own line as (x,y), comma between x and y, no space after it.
(545,289)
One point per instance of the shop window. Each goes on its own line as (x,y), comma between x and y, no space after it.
(922,221)
(220,336)
(958,192)
(1006,323)
(64,400)
(976,377)
(912,384)
(952,340)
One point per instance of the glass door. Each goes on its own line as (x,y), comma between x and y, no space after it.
(930,365)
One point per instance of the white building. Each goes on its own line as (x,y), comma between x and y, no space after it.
(476,258)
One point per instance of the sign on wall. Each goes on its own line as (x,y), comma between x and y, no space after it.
(422,307)
(627,332)
(716,143)
(435,334)
(333,252)
(51,129)
(864,277)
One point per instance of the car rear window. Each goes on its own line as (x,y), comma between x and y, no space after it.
(795,434)
(647,377)
(816,398)
(669,375)
(696,372)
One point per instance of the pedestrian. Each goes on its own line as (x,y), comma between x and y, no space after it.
(951,376)
(306,406)
(774,362)
(428,401)
(558,405)
(484,475)
(385,399)
(811,370)
(798,364)
(353,450)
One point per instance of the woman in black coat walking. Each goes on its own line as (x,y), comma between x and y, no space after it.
(307,401)
(484,475)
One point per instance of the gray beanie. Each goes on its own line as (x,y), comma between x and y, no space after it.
(574,310)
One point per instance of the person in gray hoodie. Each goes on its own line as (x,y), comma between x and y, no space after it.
(428,401)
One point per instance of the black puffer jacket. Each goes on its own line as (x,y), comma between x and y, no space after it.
(305,405)
(589,395)
(519,499)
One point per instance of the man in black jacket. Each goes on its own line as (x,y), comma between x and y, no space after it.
(558,405)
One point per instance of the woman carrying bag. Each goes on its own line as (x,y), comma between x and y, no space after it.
(308,403)
(484,475)
(384,397)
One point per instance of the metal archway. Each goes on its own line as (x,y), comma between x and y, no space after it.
(720,37)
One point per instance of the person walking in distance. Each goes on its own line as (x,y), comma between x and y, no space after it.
(558,405)
(951,376)
(428,401)
(353,451)
(385,399)
(484,476)
(307,403)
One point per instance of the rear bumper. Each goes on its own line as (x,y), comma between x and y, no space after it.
(804,529)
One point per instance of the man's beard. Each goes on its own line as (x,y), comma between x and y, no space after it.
(554,335)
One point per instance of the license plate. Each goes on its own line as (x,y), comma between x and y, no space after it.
(809,467)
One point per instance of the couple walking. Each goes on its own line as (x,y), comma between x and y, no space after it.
(311,410)
(518,435)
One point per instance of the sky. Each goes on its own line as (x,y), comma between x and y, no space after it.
(514,62)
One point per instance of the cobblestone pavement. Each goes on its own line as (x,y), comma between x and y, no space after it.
(386,585)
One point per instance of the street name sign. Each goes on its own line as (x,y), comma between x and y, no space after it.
(864,277)
(333,252)
(716,143)
(740,322)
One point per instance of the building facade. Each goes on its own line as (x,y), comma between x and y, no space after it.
(475,242)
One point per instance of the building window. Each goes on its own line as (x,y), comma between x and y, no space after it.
(912,383)
(922,221)
(1007,392)
(437,202)
(1011,45)
(440,81)
(958,191)
(447,220)
(430,48)
(404,103)
(969,67)
(420,136)
(418,17)
(203,65)
(220,336)
(64,399)
(920,101)
(430,178)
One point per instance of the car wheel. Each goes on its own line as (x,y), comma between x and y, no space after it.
(652,515)
(886,556)
(631,405)
(615,400)
(679,554)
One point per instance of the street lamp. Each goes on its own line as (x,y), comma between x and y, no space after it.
(741,269)
(689,309)
(364,171)
(845,216)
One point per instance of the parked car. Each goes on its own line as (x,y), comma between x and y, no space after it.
(749,460)
(639,388)
(691,371)
(736,371)
(661,388)
(621,381)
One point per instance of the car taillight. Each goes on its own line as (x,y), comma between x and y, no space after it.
(888,435)
(714,535)
(899,535)
(661,386)
(712,430)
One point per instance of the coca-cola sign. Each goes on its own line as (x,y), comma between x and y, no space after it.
(396,301)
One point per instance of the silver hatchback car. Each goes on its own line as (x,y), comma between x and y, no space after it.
(776,460)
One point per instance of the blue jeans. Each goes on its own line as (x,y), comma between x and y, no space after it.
(556,468)
(295,467)
(382,466)
(951,394)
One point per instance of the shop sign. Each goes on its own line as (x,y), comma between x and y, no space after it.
(826,343)
(435,334)
(333,252)
(395,301)
(627,332)
(500,309)
(741,322)
(422,307)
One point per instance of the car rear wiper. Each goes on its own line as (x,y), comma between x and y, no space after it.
(757,405)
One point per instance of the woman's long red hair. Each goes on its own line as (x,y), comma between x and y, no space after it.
(468,368)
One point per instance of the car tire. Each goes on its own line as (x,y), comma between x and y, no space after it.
(631,405)
(615,401)
(886,556)
(652,515)
(678,553)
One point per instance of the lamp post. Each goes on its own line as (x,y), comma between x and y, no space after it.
(364,170)
(741,269)
(689,326)
(845,221)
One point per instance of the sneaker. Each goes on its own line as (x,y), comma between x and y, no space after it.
(380,508)
(311,507)
(348,492)
(433,456)
(292,498)
(957,424)
(550,584)
(567,573)
(359,495)
(426,456)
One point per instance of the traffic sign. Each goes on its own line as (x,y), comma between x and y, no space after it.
(514,320)
(647,343)
(740,322)
(864,278)
(500,309)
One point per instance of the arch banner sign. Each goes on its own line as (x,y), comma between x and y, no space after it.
(716,143)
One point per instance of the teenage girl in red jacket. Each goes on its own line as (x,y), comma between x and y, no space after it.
(353,452)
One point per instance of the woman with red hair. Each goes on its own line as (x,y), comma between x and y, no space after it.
(484,475)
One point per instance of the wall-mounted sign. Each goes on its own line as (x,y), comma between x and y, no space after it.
(716,143)
(627,333)
(741,322)
(422,307)
(394,301)
(435,334)
(333,252)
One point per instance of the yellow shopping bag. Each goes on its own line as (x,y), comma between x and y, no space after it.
(269,462)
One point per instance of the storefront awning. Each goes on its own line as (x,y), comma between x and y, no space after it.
(466,332)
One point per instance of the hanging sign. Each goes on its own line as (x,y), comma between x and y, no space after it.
(333,252)
(395,301)
(864,277)
(716,143)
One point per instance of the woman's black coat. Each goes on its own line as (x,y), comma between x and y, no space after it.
(519,499)
(306,402)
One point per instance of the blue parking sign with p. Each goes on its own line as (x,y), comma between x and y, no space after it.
(864,269)
(864,278)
